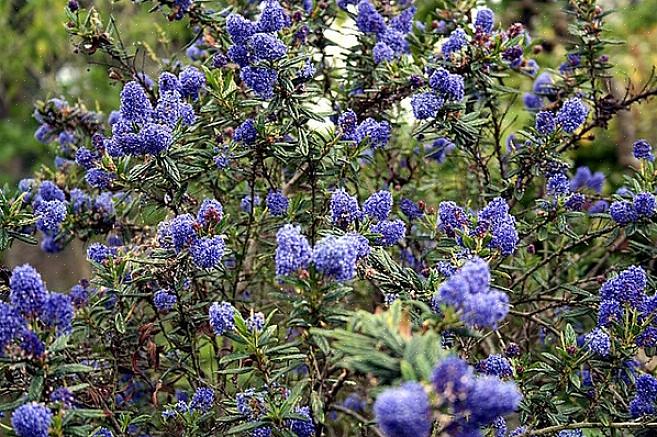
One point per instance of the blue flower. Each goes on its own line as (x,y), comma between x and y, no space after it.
(644,204)
(98,252)
(440,148)
(99,178)
(336,257)
(490,398)
(292,250)
(558,185)
(391,232)
(103,432)
(382,53)
(451,217)
(368,19)
(50,215)
(31,420)
(255,322)
(222,317)
(32,345)
(277,203)
(301,427)
(610,311)
(451,86)
(27,290)
(484,20)
(246,132)
(598,341)
(545,123)
(344,208)
(643,150)
(575,202)
(404,411)
(210,212)
(11,325)
(495,365)
(410,209)
(57,312)
(85,158)
(192,81)
(164,301)
(532,101)
(62,395)
(572,115)
(207,252)
(181,231)
(239,28)
(581,178)
(261,80)
(155,138)
(543,85)
(168,82)
(273,18)
(426,105)
(267,47)
(456,42)
(240,55)
(203,399)
(378,205)
(247,203)
(376,133)
(348,122)
(135,105)
(623,212)
(596,181)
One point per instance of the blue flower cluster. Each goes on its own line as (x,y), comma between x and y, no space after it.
(375,134)
(391,36)
(255,42)
(445,87)
(222,317)
(164,300)
(474,401)
(642,207)
(643,150)
(468,291)
(31,420)
(645,398)
(186,232)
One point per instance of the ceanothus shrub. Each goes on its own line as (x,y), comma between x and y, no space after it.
(295,234)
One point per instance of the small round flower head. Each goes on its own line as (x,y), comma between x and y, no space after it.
(543,85)
(27,290)
(644,204)
(596,181)
(303,427)
(44,134)
(426,105)
(57,312)
(391,232)
(210,212)
(336,257)
(277,203)
(203,399)
(219,60)
(570,433)
(222,317)
(348,122)
(164,301)
(135,105)
(261,80)
(192,81)
(32,345)
(240,55)
(154,139)
(239,28)
(168,82)
(382,53)
(490,398)
(376,133)
(273,18)
(598,341)
(360,243)
(246,132)
(308,71)
(598,207)
(207,251)
(31,420)
(484,20)
(575,202)
(11,325)
(648,338)
(451,86)
(532,101)
(378,205)
(182,232)
(50,216)
(85,158)
(558,185)
(99,178)
(404,411)
(79,294)
(643,150)
(641,407)
(457,40)
(267,47)
(98,253)
(581,178)
(452,378)
(368,19)
(292,250)
(572,115)
(344,208)
(545,123)
(62,395)
(485,309)
(255,322)
(451,217)
(247,203)
(495,365)
(623,212)
(410,209)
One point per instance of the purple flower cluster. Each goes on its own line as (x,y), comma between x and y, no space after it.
(31,420)
(643,206)
(293,251)
(495,365)
(643,150)
(336,257)
(164,300)
(572,115)
(277,203)
(404,411)
(222,317)
(374,133)
(468,291)
(390,37)
(645,397)
(445,86)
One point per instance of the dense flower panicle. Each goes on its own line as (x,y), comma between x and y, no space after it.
(192,81)
(222,317)
(62,395)
(267,47)
(610,311)
(376,133)
(378,205)
(154,139)
(490,398)
(336,257)
(171,109)
(273,18)
(246,132)
(31,420)
(572,115)
(85,158)
(250,404)
(98,252)
(255,322)
(164,301)
(575,202)
(135,105)
(11,325)
(648,338)
(532,102)
(392,231)
(484,20)
(448,85)
(623,212)
(627,287)
(203,399)
(261,80)
(240,55)
(305,427)
(348,122)
(168,82)
(644,204)
(410,209)
(598,341)
(581,178)
(210,212)
(545,123)
(79,295)
(292,250)
(643,150)
(344,208)
(239,28)
(404,411)
(368,19)
(596,181)
(456,42)
(558,185)
(182,232)
(382,53)
(57,312)
(27,290)
(451,218)
(426,105)
(277,203)
(207,252)
(31,344)
(50,216)
(495,365)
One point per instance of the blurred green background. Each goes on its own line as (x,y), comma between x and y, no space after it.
(39,63)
